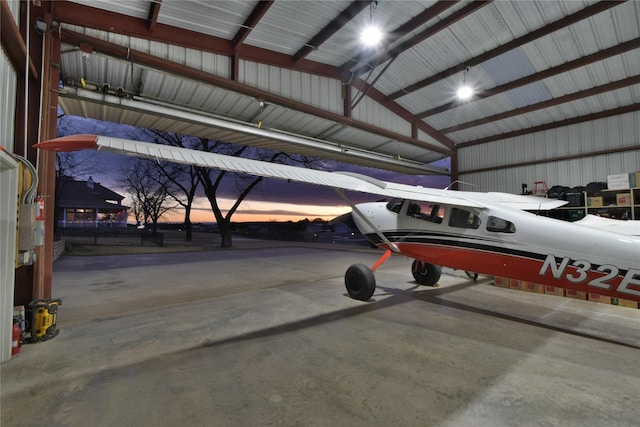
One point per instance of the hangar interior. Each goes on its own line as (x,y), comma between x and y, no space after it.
(556,88)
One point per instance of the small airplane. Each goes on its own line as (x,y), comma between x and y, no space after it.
(488,233)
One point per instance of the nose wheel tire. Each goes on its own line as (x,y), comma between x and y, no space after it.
(360,282)
(471,275)
(425,274)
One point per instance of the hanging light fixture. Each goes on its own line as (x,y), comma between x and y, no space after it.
(465,92)
(371,35)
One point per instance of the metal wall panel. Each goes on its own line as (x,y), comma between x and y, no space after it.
(609,134)
(219,65)
(8,225)
(137,8)
(8,196)
(369,111)
(314,90)
(288,20)
(423,136)
(197,15)
(8,88)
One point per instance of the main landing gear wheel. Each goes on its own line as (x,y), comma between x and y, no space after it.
(425,274)
(471,275)
(360,282)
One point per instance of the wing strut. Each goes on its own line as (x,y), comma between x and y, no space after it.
(358,212)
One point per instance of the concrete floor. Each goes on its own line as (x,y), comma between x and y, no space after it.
(267,336)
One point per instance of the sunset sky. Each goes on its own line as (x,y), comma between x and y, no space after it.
(262,211)
(275,200)
(271,200)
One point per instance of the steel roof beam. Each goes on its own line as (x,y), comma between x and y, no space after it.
(411,25)
(123,53)
(85,16)
(629,81)
(330,29)
(250,23)
(13,43)
(527,38)
(379,97)
(532,78)
(154,11)
(91,17)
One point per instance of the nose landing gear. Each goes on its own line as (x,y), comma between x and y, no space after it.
(361,282)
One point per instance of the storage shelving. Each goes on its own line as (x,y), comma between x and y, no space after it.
(618,204)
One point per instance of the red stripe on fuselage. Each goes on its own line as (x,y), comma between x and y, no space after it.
(577,275)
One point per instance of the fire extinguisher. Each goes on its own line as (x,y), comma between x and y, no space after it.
(39,234)
(15,339)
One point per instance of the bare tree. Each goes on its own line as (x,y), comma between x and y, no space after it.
(212,180)
(181,180)
(149,189)
(138,213)
(184,179)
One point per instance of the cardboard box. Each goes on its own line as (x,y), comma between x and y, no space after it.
(599,298)
(501,282)
(625,303)
(516,284)
(570,293)
(554,290)
(595,201)
(534,287)
(623,199)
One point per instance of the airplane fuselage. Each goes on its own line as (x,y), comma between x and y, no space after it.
(510,243)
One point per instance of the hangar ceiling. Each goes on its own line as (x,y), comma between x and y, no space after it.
(293,76)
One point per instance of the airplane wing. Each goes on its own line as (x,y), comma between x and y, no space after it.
(628,228)
(516,201)
(339,180)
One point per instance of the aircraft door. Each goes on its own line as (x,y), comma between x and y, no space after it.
(418,214)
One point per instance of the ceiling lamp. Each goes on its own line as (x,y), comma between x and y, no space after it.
(465,92)
(371,35)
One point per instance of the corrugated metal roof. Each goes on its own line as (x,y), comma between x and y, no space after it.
(225,57)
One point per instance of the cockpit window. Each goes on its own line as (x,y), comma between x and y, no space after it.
(394,205)
(500,225)
(462,218)
(426,211)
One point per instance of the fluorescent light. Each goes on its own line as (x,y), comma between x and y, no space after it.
(371,35)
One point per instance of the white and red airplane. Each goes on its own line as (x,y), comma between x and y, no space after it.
(488,233)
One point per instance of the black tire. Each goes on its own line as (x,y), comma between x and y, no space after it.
(425,274)
(360,282)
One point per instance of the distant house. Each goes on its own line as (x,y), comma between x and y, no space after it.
(88,204)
